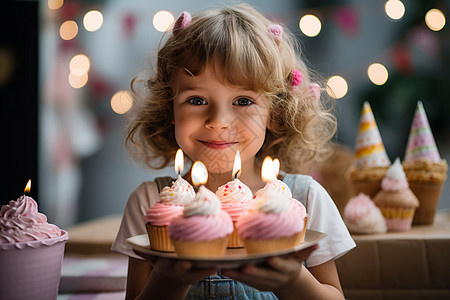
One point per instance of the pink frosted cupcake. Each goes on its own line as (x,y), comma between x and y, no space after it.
(170,205)
(31,252)
(300,210)
(235,198)
(362,216)
(204,228)
(396,200)
(281,188)
(270,223)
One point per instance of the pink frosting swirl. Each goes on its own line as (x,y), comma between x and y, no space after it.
(20,221)
(203,219)
(298,207)
(395,179)
(358,207)
(162,214)
(258,225)
(201,227)
(235,197)
(272,215)
(361,215)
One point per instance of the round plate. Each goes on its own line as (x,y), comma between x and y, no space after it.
(233,257)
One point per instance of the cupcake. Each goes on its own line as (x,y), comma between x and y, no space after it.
(424,168)
(273,222)
(235,198)
(396,200)
(204,228)
(371,161)
(300,210)
(31,252)
(170,205)
(362,216)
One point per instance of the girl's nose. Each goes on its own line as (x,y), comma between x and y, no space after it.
(218,119)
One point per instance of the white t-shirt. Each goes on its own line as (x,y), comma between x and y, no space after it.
(323,217)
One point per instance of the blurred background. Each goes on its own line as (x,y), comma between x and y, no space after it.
(66,66)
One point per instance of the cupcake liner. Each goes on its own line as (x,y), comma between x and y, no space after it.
(261,246)
(428,195)
(369,188)
(159,238)
(211,248)
(32,271)
(398,218)
(235,240)
(301,236)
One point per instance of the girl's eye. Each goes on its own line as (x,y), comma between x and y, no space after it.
(243,102)
(197,101)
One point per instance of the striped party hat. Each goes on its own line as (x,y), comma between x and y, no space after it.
(369,150)
(421,142)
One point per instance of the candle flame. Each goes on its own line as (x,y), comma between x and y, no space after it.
(276,166)
(267,172)
(237,165)
(199,173)
(27,187)
(179,161)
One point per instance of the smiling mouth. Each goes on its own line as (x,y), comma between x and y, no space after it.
(217,144)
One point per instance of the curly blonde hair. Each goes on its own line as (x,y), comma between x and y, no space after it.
(239,40)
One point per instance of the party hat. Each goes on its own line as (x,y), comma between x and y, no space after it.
(369,150)
(421,142)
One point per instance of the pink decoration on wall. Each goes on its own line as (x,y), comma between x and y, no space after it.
(347,18)
(129,22)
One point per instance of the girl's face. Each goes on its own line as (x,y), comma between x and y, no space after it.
(213,120)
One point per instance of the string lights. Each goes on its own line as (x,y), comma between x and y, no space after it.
(309,24)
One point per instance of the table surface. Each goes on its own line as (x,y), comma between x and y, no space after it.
(440,229)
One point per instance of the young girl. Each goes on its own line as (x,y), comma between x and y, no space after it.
(226,80)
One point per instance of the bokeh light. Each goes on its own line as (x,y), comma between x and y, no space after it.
(337,87)
(395,9)
(121,102)
(76,81)
(310,25)
(163,20)
(93,20)
(377,73)
(68,30)
(79,65)
(55,4)
(435,19)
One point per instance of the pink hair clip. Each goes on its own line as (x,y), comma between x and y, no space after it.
(277,32)
(297,77)
(182,22)
(314,89)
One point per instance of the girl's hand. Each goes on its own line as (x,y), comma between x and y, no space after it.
(276,274)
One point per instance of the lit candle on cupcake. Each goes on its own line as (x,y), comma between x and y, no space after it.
(235,197)
(269,172)
(170,205)
(273,222)
(204,228)
(31,251)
